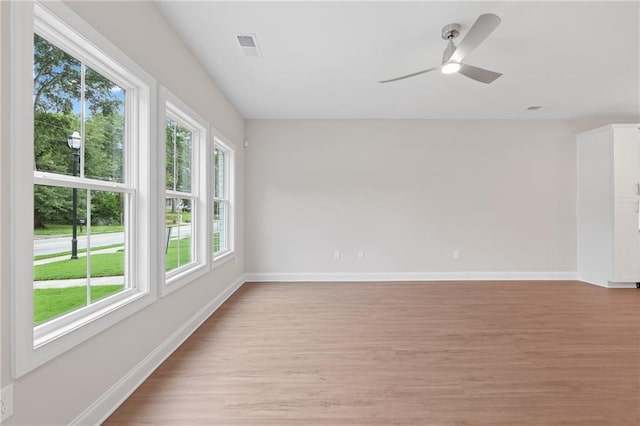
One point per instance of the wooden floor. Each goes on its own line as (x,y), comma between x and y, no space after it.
(472,353)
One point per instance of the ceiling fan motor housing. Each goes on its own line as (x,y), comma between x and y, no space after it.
(450,31)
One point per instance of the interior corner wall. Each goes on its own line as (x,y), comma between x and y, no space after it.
(57,392)
(408,193)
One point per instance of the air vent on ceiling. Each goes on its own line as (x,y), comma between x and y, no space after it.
(249,45)
(246,41)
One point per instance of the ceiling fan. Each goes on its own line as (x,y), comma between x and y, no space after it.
(453,56)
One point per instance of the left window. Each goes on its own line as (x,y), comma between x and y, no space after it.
(82,191)
(86,202)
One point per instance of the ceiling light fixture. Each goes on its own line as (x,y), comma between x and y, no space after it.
(450,68)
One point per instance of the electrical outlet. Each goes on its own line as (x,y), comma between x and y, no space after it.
(360,255)
(456,254)
(336,255)
(6,403)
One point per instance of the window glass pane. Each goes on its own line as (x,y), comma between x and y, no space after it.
(104,128)
(107,244)
(61,273)
(178,157)
(219,174)
(219,226)
(60,283)
(56,98)
(178,232)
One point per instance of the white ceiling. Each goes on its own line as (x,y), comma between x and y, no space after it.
(323,59)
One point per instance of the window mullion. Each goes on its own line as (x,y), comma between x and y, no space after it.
(45,178)
(178,194)
(82,117)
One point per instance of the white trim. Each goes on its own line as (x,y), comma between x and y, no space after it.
(610,284)
(63,181)
(108,402)
(221,259)
(21,129)
(183,277)
(411,276)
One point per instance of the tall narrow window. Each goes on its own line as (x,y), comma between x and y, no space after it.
(179,206)
(185,207)
(82,193)
(222,200)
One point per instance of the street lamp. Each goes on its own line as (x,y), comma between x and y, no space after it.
(75,143)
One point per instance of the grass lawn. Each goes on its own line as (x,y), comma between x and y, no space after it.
(102,265)
(171,260)
(66,230)
(49,303)
(108,264)
(52,302)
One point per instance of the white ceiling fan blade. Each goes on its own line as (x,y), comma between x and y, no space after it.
(408,75)
(479,31)
(478,74)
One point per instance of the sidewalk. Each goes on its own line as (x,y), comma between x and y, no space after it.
(67,257)
(79,282)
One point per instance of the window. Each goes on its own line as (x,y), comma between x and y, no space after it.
(82,189)
(81,197)
(185,207)
(222,199)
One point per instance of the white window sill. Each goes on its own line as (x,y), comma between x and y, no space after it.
(49,332)
(182,278)
(51,344)
(221,259)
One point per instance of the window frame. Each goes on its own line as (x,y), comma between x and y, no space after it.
(34,346)
(226,146)
(172,107)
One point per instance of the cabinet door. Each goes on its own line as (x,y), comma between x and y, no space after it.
(626,241)
(626,158)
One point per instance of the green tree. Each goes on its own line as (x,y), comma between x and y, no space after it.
(57,82)
(57,100)
(178,149)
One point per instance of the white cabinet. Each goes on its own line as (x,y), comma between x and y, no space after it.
(608,204)
(626,155)
(626,242)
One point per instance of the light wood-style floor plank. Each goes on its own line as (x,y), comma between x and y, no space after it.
(457,353)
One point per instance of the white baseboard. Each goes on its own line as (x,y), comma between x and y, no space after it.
(620,285)
(412,276)
(102,408)
(608,284)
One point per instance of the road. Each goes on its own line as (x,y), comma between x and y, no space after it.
(62,244)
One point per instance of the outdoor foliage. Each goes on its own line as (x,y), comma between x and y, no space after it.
(178,157)
(57,96)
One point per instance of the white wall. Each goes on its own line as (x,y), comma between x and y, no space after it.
(408,193)
(61,389)
(5,305)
